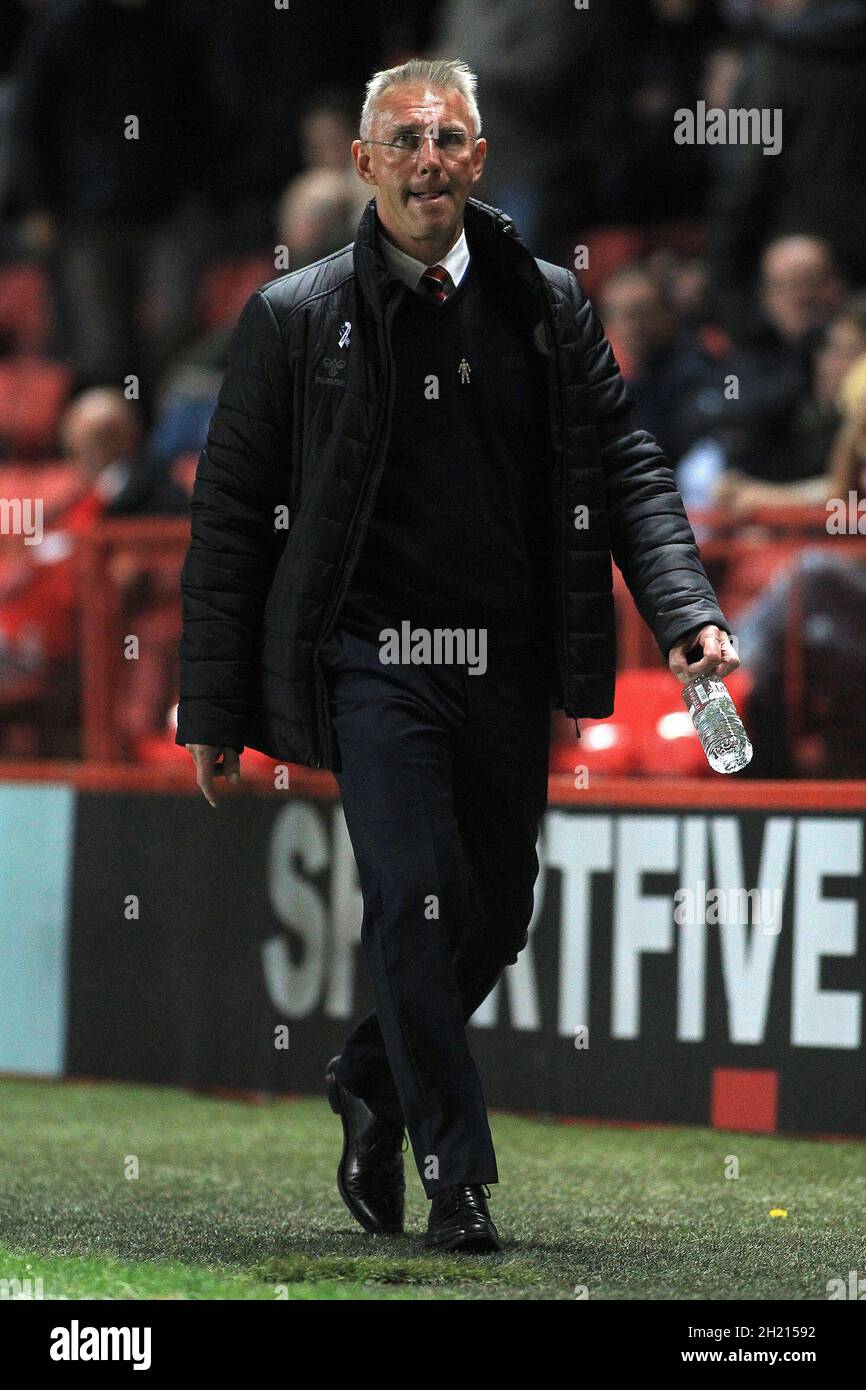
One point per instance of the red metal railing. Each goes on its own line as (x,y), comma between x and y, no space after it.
(101,611)
(769,537)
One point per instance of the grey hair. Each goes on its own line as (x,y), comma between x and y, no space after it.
(450,74)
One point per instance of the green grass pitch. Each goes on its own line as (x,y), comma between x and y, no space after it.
(234,1200)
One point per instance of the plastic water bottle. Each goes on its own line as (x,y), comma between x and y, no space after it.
(719,727)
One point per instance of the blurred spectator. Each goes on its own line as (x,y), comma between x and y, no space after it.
(847,471)
(827,737)
(722,72)
(187,397)
(328,125)
(809,62)
(812,447)
(654,179)
(102,434)
(114,148)
(752,412)
(800,287)
(685,283)
(318,213)
(320,209)
(553,81)
(662,361)
(267,65)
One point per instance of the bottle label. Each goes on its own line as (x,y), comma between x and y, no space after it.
(713,690)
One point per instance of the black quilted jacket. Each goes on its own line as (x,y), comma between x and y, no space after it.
(287,481)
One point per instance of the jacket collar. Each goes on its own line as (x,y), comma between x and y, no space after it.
(491,236)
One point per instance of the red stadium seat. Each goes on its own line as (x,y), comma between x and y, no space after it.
(56,481)
(227,285)
(606,747)
(649,733)
(33,392)
(751,571)
(607,249)
(56,484)
(25,309)
(683,238)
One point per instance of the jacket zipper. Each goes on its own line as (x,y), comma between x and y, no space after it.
(356,528)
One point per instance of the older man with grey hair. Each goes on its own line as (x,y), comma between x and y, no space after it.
(442,420)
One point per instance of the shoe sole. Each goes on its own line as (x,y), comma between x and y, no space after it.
(371,1227)
(478,1244)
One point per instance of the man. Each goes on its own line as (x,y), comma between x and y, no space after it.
(545,131)
(112,174)
(101,434)
(806,454)
(807,60)
(801,291)
(444,421)
(661,361)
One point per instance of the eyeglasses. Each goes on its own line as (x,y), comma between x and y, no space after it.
(448,142)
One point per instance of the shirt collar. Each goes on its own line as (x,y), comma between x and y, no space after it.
(409,270)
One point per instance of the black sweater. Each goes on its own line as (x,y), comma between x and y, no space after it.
(458,533)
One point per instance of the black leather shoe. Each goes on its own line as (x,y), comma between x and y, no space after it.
(370,1176)
(459,1220)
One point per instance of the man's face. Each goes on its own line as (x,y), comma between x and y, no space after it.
(635,315)
(96,432)
(800,290)
(421,195)
(325,136)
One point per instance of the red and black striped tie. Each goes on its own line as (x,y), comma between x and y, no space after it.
(433,282)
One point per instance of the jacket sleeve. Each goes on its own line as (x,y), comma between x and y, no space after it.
(241,479)
(652,541)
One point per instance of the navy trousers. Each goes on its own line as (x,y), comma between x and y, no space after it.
(443,784)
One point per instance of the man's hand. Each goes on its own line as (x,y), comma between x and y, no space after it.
(739,495)
(207,766)
(727,488)
(718,656)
